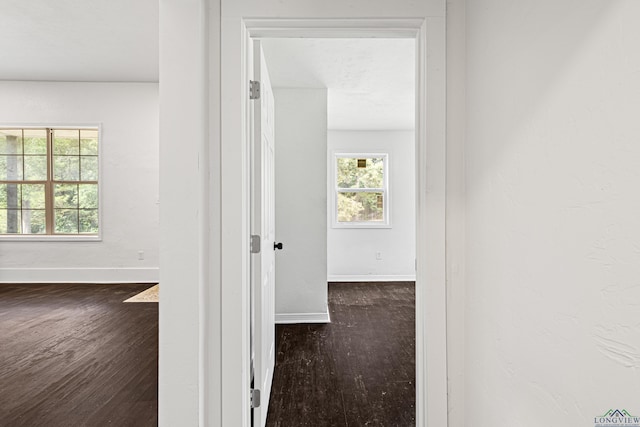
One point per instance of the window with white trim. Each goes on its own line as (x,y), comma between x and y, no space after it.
(361,190)
(49,181)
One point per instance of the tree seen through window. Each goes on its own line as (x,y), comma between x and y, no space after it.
(48,181)
(360,189)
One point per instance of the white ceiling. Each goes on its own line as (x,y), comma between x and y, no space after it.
(79,40)
(370,82)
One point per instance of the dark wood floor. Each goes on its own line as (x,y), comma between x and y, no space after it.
(359,370)
(75,355)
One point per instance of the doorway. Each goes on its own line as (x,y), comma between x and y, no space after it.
(345,210)
(430,155)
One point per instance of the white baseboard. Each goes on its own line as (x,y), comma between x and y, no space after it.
(371,278)
(79,275)
(288,318)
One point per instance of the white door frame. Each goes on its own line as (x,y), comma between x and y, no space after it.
(431,354)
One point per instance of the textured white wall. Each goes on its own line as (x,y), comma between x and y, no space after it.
(301,202)
(128,113)
(553,236)
(352,252)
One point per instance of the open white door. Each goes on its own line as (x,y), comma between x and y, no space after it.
(262,230)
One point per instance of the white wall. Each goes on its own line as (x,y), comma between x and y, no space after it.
(553,236)
(190,252)
(455,207)
(352,252)
(201,333)
(129,117)
(301,204)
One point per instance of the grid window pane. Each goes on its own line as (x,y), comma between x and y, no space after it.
(4,189)
(88,196)
(35,168)
(66,142)
(88,168)
(35,141)
(10,141)
(33,196)
(11,168)
(34,221)
(10,221)
(88,220)
(89,142)
(66,221)
(360,173)
(66,168)
(3,221)
(10,197)
(360,207)
(65,196)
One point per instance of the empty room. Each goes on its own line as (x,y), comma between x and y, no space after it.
(79,214)
(126,160)
(344,208)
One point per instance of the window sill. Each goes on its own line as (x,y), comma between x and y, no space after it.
(359,225)
(50,238)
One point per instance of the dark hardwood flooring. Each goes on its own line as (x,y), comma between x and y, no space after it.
(75,355)
(359,370)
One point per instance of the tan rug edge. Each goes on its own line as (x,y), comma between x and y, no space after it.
(148,295)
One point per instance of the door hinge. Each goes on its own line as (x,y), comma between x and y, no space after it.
(255,244)
(254,398)
(254,89)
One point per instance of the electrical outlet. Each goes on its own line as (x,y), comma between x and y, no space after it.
(140,255)
(378,256)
